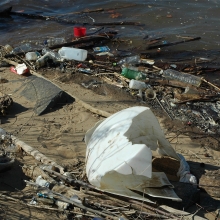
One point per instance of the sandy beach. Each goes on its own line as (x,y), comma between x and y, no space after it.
(59,135)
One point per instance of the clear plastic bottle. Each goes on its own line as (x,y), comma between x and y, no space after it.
(54,41)
(55,55)
(42,60)
(22,48)
(32,55)
(42,182)
(8,48)
(132,74)
(130,60)
(182,77)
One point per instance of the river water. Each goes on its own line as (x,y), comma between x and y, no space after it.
(166,18)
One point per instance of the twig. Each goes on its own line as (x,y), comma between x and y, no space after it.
(204,80)
(172,43)
(154,209)
(35,153)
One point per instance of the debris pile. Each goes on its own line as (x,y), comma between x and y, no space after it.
(121,175)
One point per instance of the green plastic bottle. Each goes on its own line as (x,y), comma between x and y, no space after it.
(132,74)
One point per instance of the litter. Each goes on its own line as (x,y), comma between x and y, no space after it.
(119,155)
(101,49)
(20,69)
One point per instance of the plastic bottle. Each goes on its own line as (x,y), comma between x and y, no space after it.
(40,181)
(130,60)
(73,53)
(61,204)
(42,60)
(54,41)
(32,55)
(55,55)
(135,84)
(182,77)
(8,48)
(132,74)
(22,48)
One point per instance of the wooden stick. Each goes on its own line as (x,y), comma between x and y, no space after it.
(172,43)
(72,181)
(204,80)
(100,9)
(35,153)
(154,209)
(52,18)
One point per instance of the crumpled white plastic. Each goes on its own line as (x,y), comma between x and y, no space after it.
(119,154)
(21,68)
(184,172)
(123,142)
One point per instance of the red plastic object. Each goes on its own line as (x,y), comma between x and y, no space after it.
(79,31)
(13,70)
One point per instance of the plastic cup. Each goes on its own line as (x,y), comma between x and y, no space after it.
(79,31)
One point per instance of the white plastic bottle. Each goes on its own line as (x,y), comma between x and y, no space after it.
(69,53)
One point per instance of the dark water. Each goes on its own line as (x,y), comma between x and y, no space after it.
(189,18)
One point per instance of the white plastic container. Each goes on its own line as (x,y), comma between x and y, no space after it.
(123,143)
(135,84)
(69,53)
(32,55)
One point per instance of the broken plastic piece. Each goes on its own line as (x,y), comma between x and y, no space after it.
(20,69)
(120,148)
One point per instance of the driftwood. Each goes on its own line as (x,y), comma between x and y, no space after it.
(86,185)
(185,97)
(93,38)
(101,9)
(61,20)
(35,153)
(34,171)
(172,43)
(5,12)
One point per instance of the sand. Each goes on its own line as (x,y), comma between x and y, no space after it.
(59,135)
